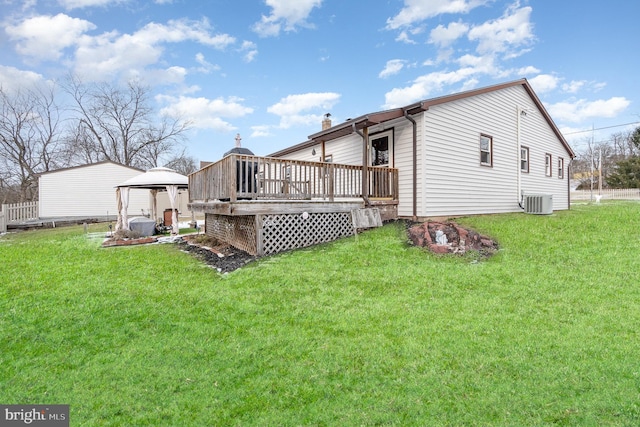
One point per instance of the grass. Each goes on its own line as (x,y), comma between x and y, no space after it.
(363,331)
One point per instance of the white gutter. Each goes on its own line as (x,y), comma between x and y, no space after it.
(519,112)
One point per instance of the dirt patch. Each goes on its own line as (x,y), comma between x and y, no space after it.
(223,257)
(450,238)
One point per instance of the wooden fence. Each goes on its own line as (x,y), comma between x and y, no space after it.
(17,212)
(238,177)
(3,224)
(609,193)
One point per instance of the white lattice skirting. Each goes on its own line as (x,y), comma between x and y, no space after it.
(273,233)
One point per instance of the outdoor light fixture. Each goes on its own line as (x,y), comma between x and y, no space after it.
(313,152)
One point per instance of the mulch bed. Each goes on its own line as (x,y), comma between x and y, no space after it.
(224,258)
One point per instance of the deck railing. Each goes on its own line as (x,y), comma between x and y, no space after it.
(243,177)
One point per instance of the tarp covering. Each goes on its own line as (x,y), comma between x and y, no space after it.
(157,179)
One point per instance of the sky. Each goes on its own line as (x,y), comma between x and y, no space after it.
(270,69)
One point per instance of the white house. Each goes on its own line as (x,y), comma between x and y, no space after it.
(474,152)
(89,191)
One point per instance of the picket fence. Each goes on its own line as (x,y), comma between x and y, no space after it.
(17,212)
(609,193)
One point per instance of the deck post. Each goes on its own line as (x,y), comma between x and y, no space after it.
(259,222)
(331,182)
(365,164)
(232,173)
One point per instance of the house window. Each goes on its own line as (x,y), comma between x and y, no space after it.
(524,159)
(381,147)
(486,150)
(547,164)
(560,167)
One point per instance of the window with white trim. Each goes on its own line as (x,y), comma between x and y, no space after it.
(547,164)
(524,159)
(560,168)
(486,150)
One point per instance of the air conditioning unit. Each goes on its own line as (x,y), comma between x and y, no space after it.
(540,204)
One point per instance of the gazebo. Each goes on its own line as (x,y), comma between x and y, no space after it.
(156,179)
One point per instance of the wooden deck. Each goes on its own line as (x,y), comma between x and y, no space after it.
(241,177)
(267,205)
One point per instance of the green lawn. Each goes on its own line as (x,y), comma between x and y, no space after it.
(363,331)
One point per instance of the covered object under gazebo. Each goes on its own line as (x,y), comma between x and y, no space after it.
(156,179)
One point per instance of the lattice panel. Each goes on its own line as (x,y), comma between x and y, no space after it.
(281,232)
(239,231)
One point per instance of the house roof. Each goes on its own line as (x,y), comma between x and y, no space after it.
(367,120)
(90,165)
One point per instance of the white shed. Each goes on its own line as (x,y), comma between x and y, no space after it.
(88,191)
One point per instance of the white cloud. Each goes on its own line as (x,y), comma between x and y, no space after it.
(285,15)
(45,37)
(250,50)
(527,70)
(206,113)
(513,30)
(544,83)
(12,78)
(393,66)
(573,86)
(418,10)
(291,108)
(581,110)
(426,85)
(111,53)
(403,37)
(181,30)
(205,66)
(261,131)
(78,4)
(444,36)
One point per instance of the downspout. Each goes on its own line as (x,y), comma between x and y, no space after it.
(569,183)
(365,165)
(518,169)
(415,164)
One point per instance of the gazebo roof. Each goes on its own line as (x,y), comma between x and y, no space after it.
(157,178)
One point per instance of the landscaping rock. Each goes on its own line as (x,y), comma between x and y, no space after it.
(459,239)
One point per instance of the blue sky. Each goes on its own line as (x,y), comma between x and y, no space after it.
(270,69)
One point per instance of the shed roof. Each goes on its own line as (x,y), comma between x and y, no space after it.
(91,165)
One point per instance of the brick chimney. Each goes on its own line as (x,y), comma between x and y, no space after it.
(326,122)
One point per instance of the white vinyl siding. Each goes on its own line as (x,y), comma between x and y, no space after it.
(87,191)
(450,177)
(456,184)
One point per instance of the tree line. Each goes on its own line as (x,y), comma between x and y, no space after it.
(615,160)
(56,126)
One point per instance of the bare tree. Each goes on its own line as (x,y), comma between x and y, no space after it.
(182,164)
(119,124)
(30,141)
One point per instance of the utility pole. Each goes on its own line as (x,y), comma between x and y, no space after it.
(591,165)
(600,171)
